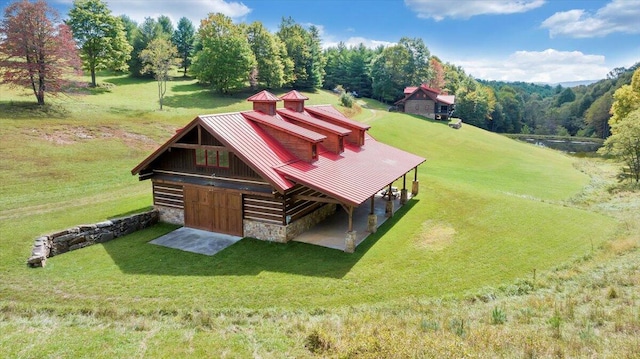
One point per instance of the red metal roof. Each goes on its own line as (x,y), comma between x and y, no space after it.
(249,142)
(354,175)
(329,112)
(293,95)
(278,123)
(432,93)
(351,177)
(312,121)
(263,96)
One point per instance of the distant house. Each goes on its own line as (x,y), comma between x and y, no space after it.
(427,102)
(271,173)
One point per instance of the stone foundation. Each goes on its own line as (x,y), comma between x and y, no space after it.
(350,242)
(403,196)
(372,225)
(389,209)
(281,233)
(170,215)
(85,235)
(415,186)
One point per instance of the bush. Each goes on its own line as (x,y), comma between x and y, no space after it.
(346,99)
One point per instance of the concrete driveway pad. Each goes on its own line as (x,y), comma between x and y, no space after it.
(196,241)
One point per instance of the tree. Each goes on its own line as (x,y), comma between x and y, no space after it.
(147,31)
(158,58)
(225,60)
(101,37)
(303,48)
(165,25)
(624,143)
(627,99)
(437,81)
(183,38)
(268,50)
(36,49)
(417,70)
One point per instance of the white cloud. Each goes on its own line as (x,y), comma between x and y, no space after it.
(617,16)
(439,9)
(194,10)
(548,66)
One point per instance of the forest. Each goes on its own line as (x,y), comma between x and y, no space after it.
(229,57)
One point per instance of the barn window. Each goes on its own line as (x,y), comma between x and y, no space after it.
(212,158)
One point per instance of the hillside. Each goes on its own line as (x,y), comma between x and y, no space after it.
(496,220)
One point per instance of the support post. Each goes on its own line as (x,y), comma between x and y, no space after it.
(403,191)
(372,226)
(415,186)
(389,208)
(372,210)
(350,240)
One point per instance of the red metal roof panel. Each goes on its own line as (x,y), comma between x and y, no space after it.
(293,95)
(354,175)
(333,114)
(257,148)
(263,96)
(312,121)
(278,123)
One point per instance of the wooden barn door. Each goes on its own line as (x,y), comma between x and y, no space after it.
(213,209)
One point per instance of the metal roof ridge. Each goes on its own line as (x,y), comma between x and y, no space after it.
(293,129)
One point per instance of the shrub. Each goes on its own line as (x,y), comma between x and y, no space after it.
(346,100)
(498,316)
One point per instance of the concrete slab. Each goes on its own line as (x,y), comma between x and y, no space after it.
(332,231)
(196,241)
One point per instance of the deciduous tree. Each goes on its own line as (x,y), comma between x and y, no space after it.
(158,58)
(225,60)
(101,37)
(626,99)
(36,49)
(624,144)
(268,50)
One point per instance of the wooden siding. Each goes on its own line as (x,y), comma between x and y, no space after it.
(422,107)
(331,143)
(299,147)
(183,160)
(263,208)
(297,209)
(168,195)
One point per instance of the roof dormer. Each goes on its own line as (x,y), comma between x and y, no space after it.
(265,102)
(294,101)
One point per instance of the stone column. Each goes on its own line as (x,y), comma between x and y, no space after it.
(373,223)
(414,188)
(389,209)
(403,196)
(350,242)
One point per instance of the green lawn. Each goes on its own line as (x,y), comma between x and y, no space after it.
(490,211)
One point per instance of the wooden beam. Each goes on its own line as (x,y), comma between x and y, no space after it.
(415,173)
(195,146)
(372,204)
(316,199)
(404,181)
(350,211)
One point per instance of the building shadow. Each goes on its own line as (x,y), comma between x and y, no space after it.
(248,257)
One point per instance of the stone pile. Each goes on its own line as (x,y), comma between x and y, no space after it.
(85,235)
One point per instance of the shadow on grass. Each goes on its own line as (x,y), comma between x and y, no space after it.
(19,110)
(197,97)
(128,80)
(248,257)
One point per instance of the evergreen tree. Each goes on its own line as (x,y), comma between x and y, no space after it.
(183,38)
(267,49)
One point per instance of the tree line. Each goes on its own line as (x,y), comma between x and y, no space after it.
(229,57)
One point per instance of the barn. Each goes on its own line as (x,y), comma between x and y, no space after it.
(272,173)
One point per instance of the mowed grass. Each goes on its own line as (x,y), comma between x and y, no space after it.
(490,211)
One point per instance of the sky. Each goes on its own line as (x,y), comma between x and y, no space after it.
(549,41)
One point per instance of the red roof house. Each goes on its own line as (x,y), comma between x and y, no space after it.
(425,101)
(270,173)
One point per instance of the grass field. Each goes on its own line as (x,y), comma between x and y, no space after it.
(497,224)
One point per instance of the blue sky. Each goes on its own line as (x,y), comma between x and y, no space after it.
(521,40)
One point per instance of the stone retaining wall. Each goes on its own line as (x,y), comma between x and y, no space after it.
(85,235)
